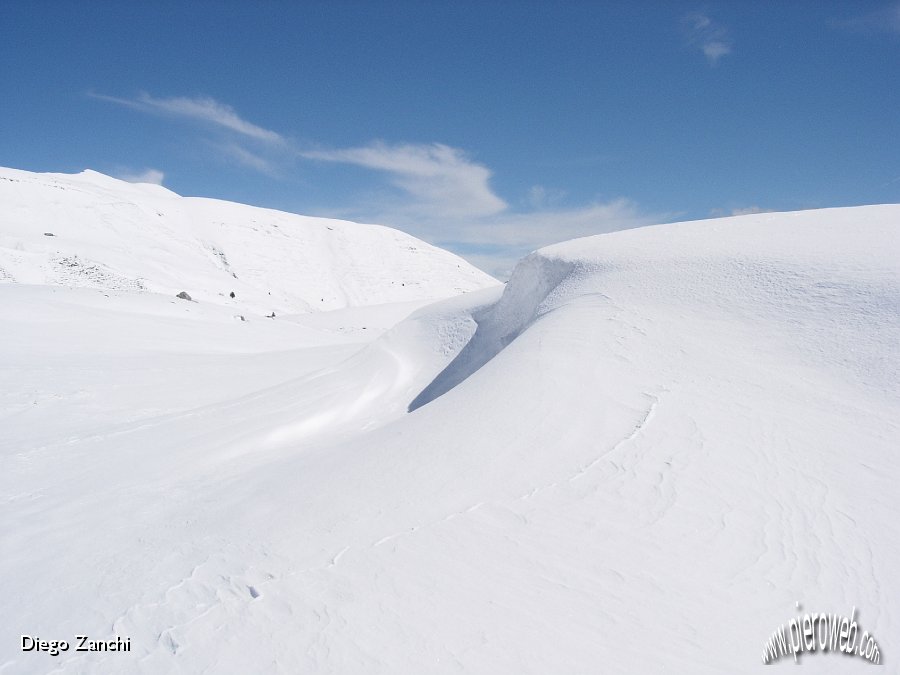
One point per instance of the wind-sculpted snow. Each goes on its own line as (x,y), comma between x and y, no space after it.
(90,230)
(375,385)
(532,282)
(852,315)
(639,458)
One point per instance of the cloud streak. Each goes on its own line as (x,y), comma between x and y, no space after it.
(496,244)
(202,109)
(247,158)
(749,210)
(444,195)
(540,228)
(154,176)
(454,205)
(710,37)
(883,20)
(436,176)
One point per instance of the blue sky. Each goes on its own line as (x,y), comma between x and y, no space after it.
(490,128)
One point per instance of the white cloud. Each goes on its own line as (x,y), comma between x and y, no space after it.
(245,157)
(541,228)
(201,108)
(454,207)
(883,20)
(540,197)
(438,178)
(154,176)
(496,244)
(738,211)
(715,50)
(708,36)
(537,196)
(446,196)
(749,210)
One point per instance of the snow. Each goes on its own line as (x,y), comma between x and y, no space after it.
(637,456)
(110,234)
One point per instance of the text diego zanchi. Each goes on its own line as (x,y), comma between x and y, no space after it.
(80,643)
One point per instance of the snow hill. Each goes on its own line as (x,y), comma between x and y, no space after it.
(94,231)
(636,457)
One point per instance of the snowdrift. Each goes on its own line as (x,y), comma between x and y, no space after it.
(638,458)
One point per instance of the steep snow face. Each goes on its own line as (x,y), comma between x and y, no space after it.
(638,458)
(95,231)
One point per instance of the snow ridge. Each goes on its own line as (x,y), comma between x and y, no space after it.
(523,302)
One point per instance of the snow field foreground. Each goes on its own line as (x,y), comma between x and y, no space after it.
(638,459)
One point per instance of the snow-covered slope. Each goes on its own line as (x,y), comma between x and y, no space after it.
(95,231)
(638,458)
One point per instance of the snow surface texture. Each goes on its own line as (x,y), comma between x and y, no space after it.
(637,459)
(90,230)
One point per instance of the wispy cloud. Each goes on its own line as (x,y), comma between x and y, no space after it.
(883,20)
(738,211)
(454,206)
(154,176)
(203,109)
(248,158)
(749,210)
(707,35)
(436,176)
(442,196)
(539,228)
(496,242)
(507,237)
(541,197)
